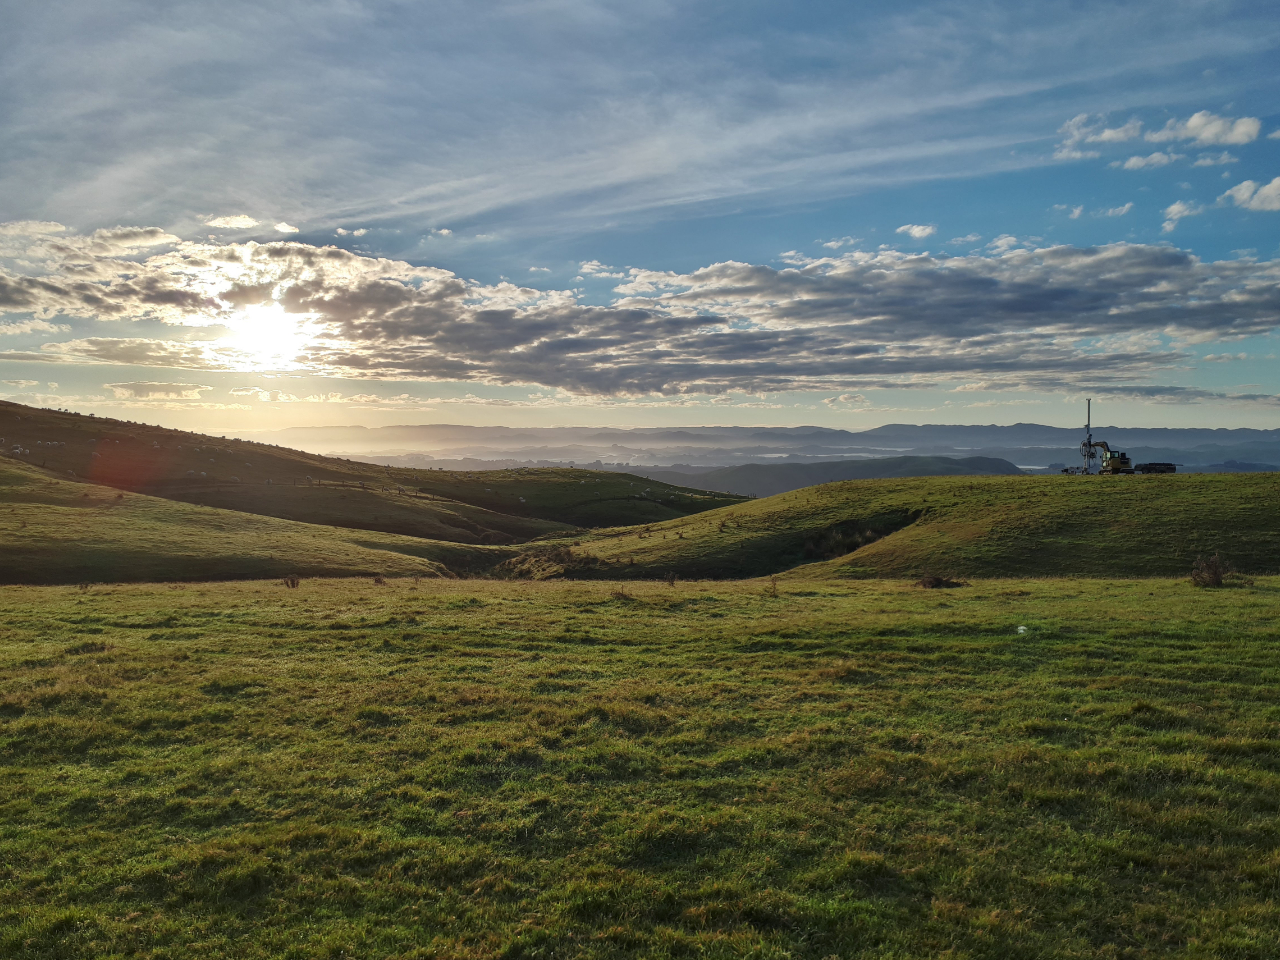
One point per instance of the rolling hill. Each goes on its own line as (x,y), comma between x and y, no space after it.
(62,531)
(768,479)
(960,526)
(498,506)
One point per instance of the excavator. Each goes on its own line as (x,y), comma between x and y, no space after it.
(1112,462)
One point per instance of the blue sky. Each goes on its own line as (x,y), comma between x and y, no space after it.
(240,215)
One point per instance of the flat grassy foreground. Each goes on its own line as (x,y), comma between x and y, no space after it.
(497,769)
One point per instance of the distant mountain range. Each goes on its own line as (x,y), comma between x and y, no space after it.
(695,450)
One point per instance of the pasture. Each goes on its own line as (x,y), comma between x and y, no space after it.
(551,769)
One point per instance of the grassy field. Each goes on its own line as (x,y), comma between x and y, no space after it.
(266,480)
(61,531)
(958,526)
(569,769)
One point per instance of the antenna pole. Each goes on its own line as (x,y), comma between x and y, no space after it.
(1088,432)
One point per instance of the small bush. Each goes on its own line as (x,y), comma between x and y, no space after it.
(292,581)
(1209,571)
(380,580)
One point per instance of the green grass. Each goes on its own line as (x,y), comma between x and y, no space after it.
(60,531)
(488,769)
(490,506)
(960,526)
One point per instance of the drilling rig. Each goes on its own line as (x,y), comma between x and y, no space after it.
(1111,462)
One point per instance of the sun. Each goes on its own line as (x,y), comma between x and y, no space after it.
(263,336)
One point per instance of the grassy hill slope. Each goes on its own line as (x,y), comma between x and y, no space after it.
(770,479)
(966,526)
(187,466)
(61,531)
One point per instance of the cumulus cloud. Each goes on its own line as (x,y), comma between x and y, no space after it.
(358,232)
(1214,159)
(967,238)
(1177,211)
(150,390)
(1048,318)
(283,227)
(1074,132)
(1254,196)
(539,269)
(1129,131)
(236,221)
(1116,211)
(1073,213)
(917,231)
(1157,159)
(839,242)
(594,268)
(1208,129)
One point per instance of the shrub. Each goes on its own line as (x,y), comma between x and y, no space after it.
(939,583)
(292,581)
(1209,571)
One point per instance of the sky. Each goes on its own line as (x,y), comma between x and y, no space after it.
(242,216)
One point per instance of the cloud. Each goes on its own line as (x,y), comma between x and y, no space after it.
(1116,211)
(1157,159)
(594,268)
(839,242)
(1177,211)
(1207,129)
(1073,213)
(539,269)
(150,390)
(283,227)
(1214,160)
(21,384)
(917,231)
(845,398)
(359,232)
(967,238)
(1129,131)
(234,222)
(1252,196)
(31,326)
(1075,131)
(1048,318)
(30,228)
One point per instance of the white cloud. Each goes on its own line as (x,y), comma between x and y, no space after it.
(1214,159)
(1074,131)
(845,398)
(539,269)
(1129,131)
(21,384)
(1177,211)
(1253,196)
(149,390)
(1207,128)
(31,326)
(1157,159)
(1003,243)
(1117,211)
(839,242)
(442,232)
(358,232)
(283,227)
(30,228)
(917,231)
(236,221)
(594,268)
(967,238)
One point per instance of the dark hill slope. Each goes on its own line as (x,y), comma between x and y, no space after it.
(193,467)
(769,479)
(963,526)
(55,530)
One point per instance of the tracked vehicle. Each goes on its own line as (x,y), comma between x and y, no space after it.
(1110,462)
